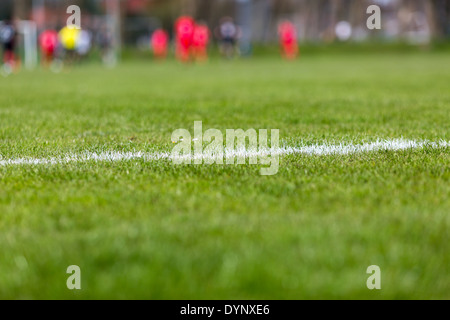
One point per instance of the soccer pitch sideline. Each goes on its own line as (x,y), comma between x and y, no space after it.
(363,180)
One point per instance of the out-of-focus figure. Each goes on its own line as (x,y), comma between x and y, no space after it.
(105,41)
(288,40)
(343,30)
(8,42)
(69,38)
(200,42)
(184,29)
(228,33)
(48,41)
(160,43)
(84,43)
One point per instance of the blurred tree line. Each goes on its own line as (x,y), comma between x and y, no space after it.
(316,19)
(421,20)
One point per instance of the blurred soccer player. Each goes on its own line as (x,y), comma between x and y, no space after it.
(8,41)
(200,42)
(84,43)
(69,38)
(184,29)
(288,40)
(159,43)
(228,33)
(105,42)
(48,41)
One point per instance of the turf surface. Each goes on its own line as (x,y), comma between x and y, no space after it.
(152,230)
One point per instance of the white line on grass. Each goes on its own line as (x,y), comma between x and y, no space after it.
(309,150)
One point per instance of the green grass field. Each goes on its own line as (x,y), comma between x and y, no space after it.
(153,230)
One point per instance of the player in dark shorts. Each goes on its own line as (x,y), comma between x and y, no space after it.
(8,42)
(105,41)
(228,33)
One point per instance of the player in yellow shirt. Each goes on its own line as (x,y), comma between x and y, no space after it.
(68,38)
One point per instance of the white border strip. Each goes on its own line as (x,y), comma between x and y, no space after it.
(309,150)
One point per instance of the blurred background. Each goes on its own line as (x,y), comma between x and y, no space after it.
(131,23)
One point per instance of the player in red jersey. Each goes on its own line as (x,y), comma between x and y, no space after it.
(159,43)
(184,29)
(288,40)
(200,42)
(48,41)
